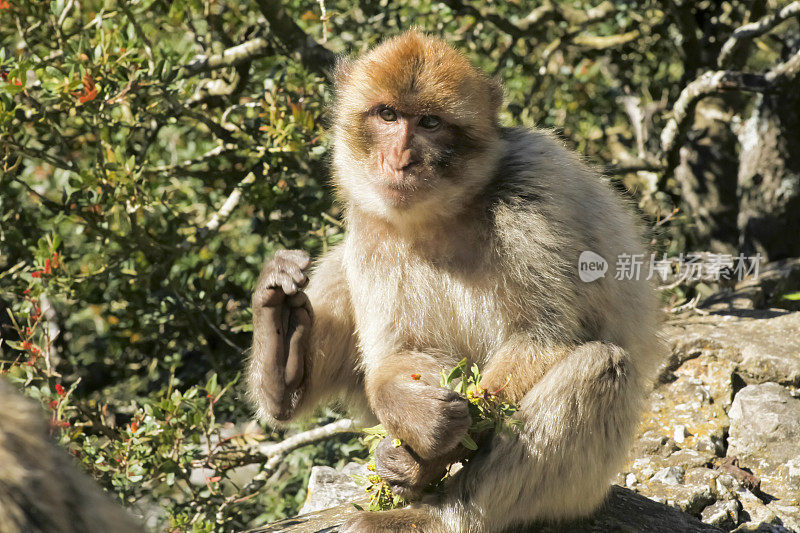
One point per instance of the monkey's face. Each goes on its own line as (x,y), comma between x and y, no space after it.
(415,129)
(409,155)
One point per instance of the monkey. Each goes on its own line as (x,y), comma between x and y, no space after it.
(462,240)
(41,490)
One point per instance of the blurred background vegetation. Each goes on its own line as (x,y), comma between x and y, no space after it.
(153,154)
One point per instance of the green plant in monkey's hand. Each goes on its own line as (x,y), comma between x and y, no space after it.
(381,496)
(487,410)
(488,413)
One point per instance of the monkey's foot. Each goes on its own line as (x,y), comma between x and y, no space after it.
(396,521)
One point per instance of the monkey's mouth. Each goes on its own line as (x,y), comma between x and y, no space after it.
(403,193)
(397,194)
(401,187)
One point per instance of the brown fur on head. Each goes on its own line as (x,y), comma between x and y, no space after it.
(399,170)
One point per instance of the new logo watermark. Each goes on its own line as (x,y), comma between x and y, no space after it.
(591,266)
(693,266)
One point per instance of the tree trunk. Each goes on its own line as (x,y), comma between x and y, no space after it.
(769,176)
(706,175)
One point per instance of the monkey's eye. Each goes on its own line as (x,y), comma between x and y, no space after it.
(388,114)
(430,122)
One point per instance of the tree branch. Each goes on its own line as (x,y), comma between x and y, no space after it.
(713,82)
(598,42)
(548,10)
(230,203)
(148,48)
(275,451)
(241,53)
(759,27)
(785,71)
(501,23)
(708,83)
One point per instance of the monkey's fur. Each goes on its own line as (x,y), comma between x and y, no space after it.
(465,244)
(41,489)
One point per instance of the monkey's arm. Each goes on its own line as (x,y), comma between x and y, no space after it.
(304,348)
(405,394)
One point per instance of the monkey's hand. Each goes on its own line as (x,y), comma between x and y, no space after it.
(431,420)
(406,472)
(282,318)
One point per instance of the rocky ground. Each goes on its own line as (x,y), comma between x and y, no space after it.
(719,445)
(721,438)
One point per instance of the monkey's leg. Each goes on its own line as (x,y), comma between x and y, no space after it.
(578,423)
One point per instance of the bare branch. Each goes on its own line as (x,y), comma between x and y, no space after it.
(580,17)
(759,27)
(597,42)
(708,83)
(275,451)
(230,203)
(785,71)
(618,170)
(713,82)
(247,51)
(537,16)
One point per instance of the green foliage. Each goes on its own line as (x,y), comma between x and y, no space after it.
(114,283)
(140,192)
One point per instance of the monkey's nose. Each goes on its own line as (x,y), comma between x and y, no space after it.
(401,159)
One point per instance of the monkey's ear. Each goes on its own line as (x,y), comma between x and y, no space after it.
(495,94)
(341,72)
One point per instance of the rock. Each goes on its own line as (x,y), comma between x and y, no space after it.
(653,443)
(689,459)
(789,515)
(723,513)
(689,498)
(327,487)
(764,346)
(765,437)
(758,527)
(793,471)
(680,433)
(624,510)
(694,403)
(672,475)
(765,426)
(754,508)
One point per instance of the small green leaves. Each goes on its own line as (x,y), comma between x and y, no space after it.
(468,443)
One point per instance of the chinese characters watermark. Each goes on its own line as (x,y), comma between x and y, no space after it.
(686,267)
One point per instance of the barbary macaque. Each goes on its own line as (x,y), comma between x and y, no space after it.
(462,240)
